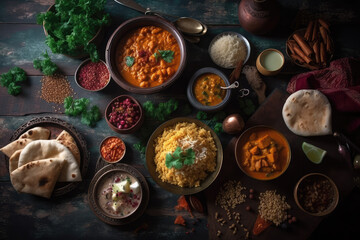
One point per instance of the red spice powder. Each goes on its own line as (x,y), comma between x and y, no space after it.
(93,76)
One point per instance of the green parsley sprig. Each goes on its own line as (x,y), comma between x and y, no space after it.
(76,107)
(180,158)
(45,65)
(11,79)
(167,55)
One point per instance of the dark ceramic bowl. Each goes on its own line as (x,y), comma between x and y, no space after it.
(309,180)
(284,154)
(126,130)
(76,76)
(191,95)
(151,166)
(133,24)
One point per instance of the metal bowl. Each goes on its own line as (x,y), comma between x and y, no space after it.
(191,95)
(150,155)
(246,42)
(285,156)
(133,24)
(76,76)
(308,179)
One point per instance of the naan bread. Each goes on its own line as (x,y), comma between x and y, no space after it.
(37,177)
(68,141)
(14,160)
(42,149)
(36,133)
(12,147)
(308,113)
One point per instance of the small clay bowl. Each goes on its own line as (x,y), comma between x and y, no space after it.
(308,180)
(191,94)
(104,142)
(131,129)
(76,76)
(271,54)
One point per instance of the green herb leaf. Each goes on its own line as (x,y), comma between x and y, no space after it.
(45,65)
(11,79)
(167,55)
(180,158)
(157,55)
(129,61)
(205,94)
(201,115)
(162,110)
(80,107)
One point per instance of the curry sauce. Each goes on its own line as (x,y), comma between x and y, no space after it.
(207,89)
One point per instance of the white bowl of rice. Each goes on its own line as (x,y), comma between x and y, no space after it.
(228,48)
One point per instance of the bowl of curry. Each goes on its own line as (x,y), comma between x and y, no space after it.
(262,153)
(204,90)
(146,54)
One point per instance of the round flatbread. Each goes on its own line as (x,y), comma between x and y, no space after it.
(37,177)
(42,149)
(308,113)
(36,133)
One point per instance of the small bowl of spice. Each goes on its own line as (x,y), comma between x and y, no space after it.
(92,76)
(112,149)
(316,194)
(124,114)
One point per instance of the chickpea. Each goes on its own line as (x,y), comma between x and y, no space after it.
(169,71)
(154,77)
(144,84)
(156,30)
(163,72)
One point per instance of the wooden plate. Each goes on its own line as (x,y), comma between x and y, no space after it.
(56,126)
(150,154)
(121,168)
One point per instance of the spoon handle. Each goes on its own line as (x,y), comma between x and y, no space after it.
(132,4)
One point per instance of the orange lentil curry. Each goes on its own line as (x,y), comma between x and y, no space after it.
(207,89)
(148,56)
(264,154)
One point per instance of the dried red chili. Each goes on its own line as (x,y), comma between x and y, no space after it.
(93,76)
(180,220)
(112,149)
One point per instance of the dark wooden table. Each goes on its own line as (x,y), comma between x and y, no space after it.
(22,41)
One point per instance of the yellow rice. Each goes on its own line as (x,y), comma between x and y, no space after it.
(185,135)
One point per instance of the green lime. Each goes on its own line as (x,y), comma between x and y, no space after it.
(313,153)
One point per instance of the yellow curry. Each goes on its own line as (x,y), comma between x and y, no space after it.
(148,56)
(207,89)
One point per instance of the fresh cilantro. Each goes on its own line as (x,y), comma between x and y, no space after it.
(129,61)
(162,111)
(205,94)
(201,115)
(45,65)
(140,147)
(11,79)
(179,158)
(167,55)
(79,107)
(73,24)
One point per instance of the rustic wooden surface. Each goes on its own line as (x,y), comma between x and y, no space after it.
(22,41)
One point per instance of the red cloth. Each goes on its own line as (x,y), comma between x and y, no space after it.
(340,82)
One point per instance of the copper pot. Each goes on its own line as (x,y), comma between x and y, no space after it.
(259,16)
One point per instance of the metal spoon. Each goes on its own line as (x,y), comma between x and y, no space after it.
(187,25)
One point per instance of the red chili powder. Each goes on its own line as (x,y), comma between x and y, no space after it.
(93,76)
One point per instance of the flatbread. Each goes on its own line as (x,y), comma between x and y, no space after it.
(36,133)
(12,147)
(37,177)
(14,160)
(308,113)
(42,149)
(68,141)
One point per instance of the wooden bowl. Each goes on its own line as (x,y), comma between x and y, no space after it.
(284,155)
(132,129)
(151,166)
(309,181)
(103,157)
(191,95)
(133,24)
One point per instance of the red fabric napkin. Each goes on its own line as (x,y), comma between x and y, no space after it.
(340,82)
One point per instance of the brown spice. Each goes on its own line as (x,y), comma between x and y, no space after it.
(54,89)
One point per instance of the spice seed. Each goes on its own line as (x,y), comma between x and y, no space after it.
(54,89)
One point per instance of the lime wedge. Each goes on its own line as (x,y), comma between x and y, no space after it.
(313,153)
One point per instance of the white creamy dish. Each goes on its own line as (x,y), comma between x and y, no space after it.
(120,194)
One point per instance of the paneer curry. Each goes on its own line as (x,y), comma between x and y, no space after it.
(207,89)
(264,154)
(148,56)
